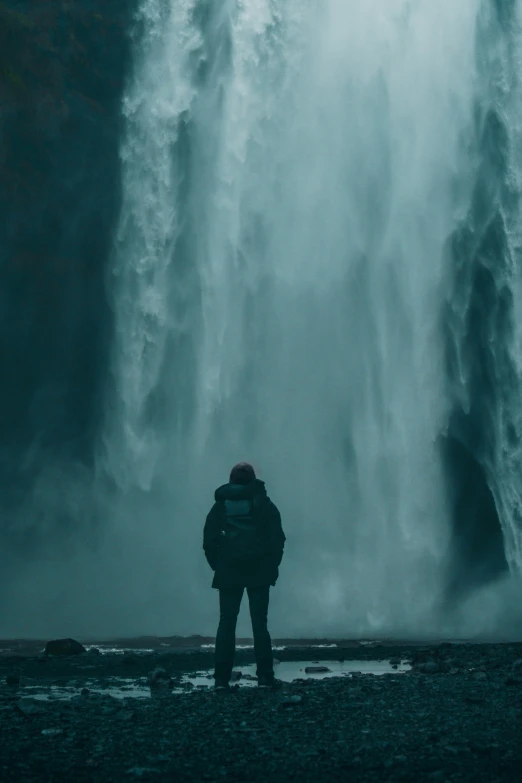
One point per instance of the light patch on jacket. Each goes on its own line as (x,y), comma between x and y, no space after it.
(238,508)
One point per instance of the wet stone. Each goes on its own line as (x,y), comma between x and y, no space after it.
(29,706)
(159,679)
(291,701)
(474,698)
(365,723)
(64,647)
(12,679)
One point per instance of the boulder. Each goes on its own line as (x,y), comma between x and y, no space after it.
(64,647)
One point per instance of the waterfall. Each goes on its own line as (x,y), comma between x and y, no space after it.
(292,175)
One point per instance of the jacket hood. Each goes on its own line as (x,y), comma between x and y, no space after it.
(240,491)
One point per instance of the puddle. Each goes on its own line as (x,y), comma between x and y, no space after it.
(251,646)
(106,649)
(117,687)
(287,671)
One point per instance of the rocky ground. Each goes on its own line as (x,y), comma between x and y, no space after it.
(457,716)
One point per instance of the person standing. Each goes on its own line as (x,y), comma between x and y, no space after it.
(243,541)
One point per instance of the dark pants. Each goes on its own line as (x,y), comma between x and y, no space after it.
(229,603)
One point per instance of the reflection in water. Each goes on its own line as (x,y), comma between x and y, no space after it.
(287,671)
(116,687)
(105,649)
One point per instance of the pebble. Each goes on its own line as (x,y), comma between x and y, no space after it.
(474,698)
(12,679)
(516,670)
(290,701)
(402,729)
(30,706)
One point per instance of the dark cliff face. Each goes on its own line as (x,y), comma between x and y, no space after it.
(478,324)
(62,72)
(478,328)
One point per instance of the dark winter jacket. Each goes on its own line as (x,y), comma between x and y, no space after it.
(261,571)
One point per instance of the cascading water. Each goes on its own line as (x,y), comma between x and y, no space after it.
(292,174)
(317,269)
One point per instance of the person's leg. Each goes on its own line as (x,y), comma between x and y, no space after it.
(258,598)
(229,603)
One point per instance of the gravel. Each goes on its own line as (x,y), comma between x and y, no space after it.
(457,720)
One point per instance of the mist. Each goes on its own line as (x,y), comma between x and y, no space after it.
(311,195)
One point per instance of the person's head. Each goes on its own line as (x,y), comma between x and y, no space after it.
(242,473)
